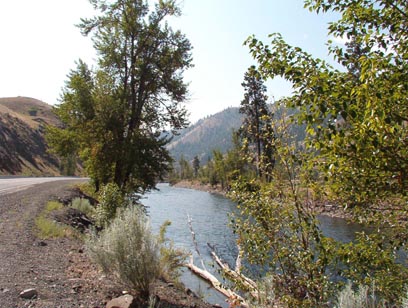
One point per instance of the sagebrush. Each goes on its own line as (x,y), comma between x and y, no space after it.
(129,250)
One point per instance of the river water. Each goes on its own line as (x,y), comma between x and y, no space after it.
(209,214)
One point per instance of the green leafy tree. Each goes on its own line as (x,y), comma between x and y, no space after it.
(115,112)
(62,143)
(356,118)
(225,168)
(236,164)
(355,149)
(277,229)
(209,173)
(220,168)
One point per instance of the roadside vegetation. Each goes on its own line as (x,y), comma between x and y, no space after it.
(84,206)
(48,227)
(119,239)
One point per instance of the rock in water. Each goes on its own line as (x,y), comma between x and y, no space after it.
(29,293)
(125,301)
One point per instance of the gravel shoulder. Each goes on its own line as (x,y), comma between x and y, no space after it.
(57,268)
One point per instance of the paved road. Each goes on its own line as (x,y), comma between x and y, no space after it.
(10,185)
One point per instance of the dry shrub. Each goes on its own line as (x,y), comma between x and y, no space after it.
(128,250)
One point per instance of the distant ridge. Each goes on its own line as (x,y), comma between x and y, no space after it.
(201,138)
(23,150)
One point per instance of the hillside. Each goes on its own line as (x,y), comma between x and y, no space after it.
(212,132)
(23,150)
(215,133)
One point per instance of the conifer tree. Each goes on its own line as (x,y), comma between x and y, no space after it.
(256,129)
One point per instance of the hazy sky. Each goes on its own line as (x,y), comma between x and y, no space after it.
(40,44)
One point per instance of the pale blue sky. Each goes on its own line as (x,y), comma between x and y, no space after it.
(40,45)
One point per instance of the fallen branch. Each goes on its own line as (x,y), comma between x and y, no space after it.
(239,278)
(233,298)
(190,224)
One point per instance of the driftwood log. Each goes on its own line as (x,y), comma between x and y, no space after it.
(235,275)
(233,298)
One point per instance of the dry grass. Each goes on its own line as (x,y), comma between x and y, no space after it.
(48,228)
(53,206)
(25,143)
(19,107)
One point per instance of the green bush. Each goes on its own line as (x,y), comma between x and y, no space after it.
(111,200)
(128,250)
(83,206)
(171,258)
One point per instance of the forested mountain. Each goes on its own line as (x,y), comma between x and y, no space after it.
(23,150)
(201,138)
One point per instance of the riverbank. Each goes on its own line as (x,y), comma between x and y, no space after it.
(197,185)
(321,207)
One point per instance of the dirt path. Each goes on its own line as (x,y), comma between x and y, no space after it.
(27,262)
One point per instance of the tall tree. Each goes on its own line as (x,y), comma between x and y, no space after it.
(256,126)
(196,165)
(220,168)
(186,172)
(118,110)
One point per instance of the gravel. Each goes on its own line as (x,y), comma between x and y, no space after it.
(57,269)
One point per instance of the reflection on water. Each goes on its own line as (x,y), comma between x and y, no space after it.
(209,213)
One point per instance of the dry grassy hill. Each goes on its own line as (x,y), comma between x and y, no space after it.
(23,150)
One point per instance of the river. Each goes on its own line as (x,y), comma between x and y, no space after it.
(210,220)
